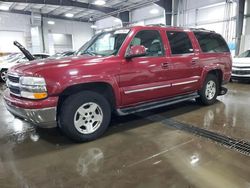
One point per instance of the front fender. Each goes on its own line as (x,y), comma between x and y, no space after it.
(60,86)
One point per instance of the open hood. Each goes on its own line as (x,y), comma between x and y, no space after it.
(26,53)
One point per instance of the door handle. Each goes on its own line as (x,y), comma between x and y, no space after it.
(165,65)
(194,61)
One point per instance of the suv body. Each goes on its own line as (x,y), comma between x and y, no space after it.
(124,71)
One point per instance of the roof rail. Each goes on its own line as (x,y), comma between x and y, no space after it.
(192,28)
(160,25)
(202,29)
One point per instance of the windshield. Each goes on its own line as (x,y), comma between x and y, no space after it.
(245,54)
(105,44)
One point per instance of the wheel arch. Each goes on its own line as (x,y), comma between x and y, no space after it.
(103,88)
(216,71)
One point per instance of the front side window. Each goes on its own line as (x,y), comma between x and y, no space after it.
(105,44)
(179,42)
(211,42)
(151,40)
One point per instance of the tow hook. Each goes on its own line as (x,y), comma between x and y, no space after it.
(223,91)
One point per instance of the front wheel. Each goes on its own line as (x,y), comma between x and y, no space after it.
(209,91)
(85,116)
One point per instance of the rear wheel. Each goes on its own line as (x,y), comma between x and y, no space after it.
(85,116)
(209,91)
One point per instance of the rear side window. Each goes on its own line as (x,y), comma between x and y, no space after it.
(179,42)
(211,42)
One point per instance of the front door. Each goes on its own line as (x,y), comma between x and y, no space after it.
(144,78)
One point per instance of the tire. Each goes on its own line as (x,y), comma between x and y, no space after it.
(209,91)
(3,75)
(84,116)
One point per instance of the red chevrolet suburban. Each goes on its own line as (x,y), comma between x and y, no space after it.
(121,71)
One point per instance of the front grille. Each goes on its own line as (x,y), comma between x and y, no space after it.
(13,84)
(14,79)
(241,72)
(15,91)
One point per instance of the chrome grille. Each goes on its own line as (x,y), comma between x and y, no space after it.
(14,79)
(241,72)
(13,84)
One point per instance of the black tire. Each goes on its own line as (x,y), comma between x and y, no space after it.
(203,99)
(69,109)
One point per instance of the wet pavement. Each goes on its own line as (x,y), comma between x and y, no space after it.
(137,151)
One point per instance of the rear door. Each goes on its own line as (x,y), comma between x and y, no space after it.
(183,61)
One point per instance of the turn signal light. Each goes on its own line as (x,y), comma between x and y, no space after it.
(40,95)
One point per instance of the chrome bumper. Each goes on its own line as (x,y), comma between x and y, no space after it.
(238,76)
(45,117)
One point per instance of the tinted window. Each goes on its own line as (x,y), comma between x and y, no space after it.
(211,42)
(151,40)
(179,42)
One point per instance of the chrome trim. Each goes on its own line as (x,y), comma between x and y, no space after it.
(183,83)
(241,75)
(14,75)
(13,84)
(45,117)
(241,68)
(145,89)
(18,95)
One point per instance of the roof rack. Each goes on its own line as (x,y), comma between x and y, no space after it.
(202,29)
(191,28)
(159,25)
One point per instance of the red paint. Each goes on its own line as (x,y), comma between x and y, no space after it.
(127,74)
(29,104)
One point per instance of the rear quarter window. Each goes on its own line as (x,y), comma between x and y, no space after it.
(211,42)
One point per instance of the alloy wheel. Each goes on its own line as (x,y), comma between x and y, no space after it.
(210,90)
(88,118)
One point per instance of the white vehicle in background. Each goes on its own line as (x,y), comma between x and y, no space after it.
(241,66)
(27,56)
(14,61)
(10,57)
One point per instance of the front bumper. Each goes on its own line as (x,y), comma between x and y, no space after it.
(43,117)
(240,77)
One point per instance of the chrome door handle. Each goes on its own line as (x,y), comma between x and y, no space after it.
(165,65)
(194,61)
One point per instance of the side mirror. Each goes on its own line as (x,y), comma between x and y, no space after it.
(136,51)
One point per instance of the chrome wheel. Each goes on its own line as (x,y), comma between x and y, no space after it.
(4,75)
(88,118)
(210,90)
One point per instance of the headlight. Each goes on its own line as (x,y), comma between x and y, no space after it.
(33,87)
(32,81)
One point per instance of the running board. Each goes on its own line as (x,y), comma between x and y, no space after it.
(156,104)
